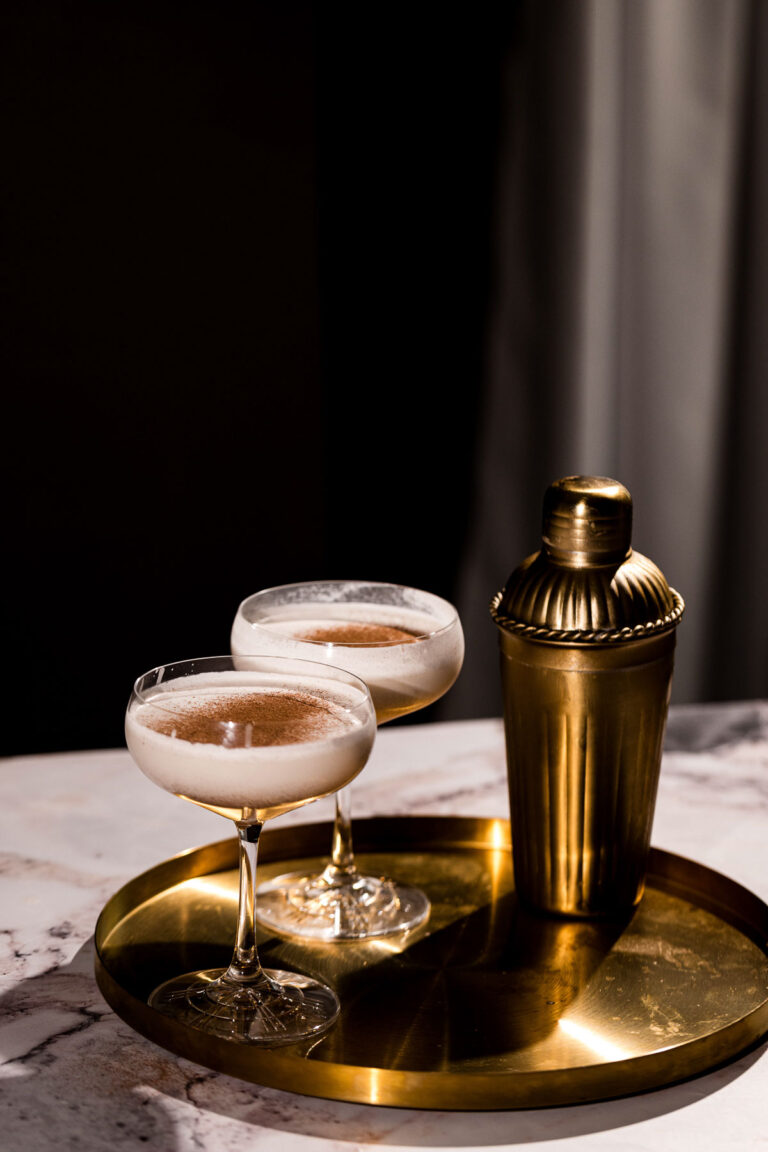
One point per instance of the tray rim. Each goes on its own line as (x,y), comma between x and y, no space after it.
(290,1070)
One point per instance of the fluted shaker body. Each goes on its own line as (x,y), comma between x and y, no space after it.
(587,635)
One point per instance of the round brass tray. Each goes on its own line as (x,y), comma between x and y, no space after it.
(485,1007)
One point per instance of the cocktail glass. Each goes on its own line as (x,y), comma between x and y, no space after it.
(408,646)
(249,739)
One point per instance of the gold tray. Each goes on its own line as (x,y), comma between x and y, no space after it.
(485,1007)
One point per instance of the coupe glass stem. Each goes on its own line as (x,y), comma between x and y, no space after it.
(342,863)
(245,967)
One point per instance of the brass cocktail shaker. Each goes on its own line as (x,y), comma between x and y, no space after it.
(587,636)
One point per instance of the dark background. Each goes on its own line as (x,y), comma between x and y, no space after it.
(246,263)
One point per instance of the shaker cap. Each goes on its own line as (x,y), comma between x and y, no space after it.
(587,521)
(587,584)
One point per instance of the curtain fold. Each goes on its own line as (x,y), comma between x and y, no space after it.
(626,337)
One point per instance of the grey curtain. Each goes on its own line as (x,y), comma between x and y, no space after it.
(627,336)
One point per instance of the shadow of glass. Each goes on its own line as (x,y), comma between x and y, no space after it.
(478,992)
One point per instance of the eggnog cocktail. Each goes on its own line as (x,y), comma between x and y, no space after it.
(408,646)
(405,656)
(249,739)
(248,750)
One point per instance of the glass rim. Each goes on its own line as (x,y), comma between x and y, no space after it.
(297,667)
(258,624)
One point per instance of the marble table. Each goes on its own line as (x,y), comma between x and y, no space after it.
(74,827)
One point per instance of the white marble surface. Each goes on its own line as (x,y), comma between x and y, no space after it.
(74,827)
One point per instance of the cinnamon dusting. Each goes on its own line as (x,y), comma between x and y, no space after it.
(242,720)
(358,632)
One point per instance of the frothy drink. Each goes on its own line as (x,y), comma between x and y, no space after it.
(405,656)
(250,751)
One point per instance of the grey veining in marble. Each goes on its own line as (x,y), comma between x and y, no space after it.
(73,1075)
(711,728)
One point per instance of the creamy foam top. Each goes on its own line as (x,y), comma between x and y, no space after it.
(251,719)
(408,658)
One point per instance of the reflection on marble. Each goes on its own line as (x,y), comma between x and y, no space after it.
(74,827)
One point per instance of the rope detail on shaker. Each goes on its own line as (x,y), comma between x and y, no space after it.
(587,635)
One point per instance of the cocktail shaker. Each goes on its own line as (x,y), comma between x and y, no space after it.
(587,636)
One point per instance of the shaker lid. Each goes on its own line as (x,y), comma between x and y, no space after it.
(587,584)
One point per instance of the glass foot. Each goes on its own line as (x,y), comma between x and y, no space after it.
(283,1008)
(354,907)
